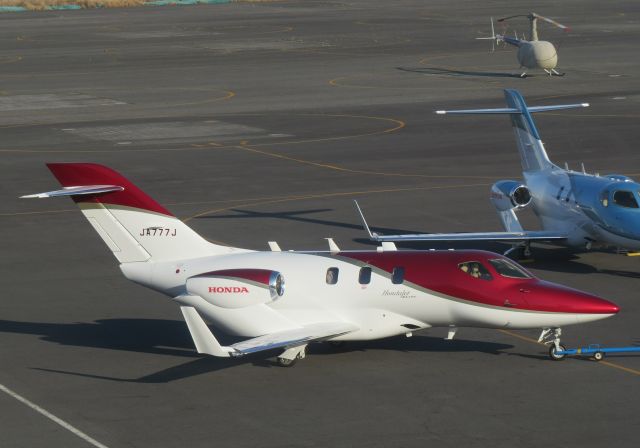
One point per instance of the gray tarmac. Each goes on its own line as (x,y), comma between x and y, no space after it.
(262,121)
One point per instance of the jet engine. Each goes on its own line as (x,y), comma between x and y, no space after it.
(237,288)
(509,194)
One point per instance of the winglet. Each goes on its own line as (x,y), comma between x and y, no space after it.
(373,236)
(204,340)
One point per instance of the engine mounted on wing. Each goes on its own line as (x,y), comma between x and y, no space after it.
(509,194)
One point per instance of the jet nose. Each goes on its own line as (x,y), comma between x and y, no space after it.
(568,300)
(595,305)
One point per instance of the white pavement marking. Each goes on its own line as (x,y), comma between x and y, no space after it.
(52,417)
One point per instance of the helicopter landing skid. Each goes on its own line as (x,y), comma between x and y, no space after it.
(553,72)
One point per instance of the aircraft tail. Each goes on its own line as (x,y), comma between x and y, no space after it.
(133,225)
(532,153)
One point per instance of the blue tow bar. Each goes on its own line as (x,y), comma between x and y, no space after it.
(596,351)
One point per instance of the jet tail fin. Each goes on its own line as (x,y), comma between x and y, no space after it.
(134,226)
(532,153)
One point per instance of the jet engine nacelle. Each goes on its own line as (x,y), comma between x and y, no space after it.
(538,53)
(509,194)
(237,288)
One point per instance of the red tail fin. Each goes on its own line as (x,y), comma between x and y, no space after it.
(76,174)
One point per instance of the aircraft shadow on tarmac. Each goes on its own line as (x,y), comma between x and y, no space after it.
(296,215)
(441,71)
(169,337)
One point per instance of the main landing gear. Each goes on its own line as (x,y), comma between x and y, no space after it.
(291,355)
(551,337)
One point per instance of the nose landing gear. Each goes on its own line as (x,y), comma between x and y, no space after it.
(551,337)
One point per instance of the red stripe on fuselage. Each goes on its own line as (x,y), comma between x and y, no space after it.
(76,174)
(439,271)
(255,275)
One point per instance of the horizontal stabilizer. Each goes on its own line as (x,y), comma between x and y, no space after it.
(206,342)
(532,153)
(509,110)
(534,109)
(75,191)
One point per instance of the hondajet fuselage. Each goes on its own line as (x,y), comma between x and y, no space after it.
(288,299)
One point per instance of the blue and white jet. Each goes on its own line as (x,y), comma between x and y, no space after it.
(575,209)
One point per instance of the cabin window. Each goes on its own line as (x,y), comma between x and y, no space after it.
(476,270)
(397,277)
(332,276)
(604,198)
(507,268)
(625,198)
(364,278)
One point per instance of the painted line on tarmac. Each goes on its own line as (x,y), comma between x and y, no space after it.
(604,363)
(397,125)
(44,212)
(354,171)
(52,417)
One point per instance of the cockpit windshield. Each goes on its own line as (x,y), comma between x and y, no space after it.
(508,269)
(625,198)
(476,270)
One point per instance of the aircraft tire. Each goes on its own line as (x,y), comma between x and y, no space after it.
(553,355)
(598,356)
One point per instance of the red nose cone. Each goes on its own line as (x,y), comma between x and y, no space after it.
(556,298)
(596,305)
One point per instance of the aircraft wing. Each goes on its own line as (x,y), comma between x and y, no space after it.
(536,235)
(473,236)
(207,343)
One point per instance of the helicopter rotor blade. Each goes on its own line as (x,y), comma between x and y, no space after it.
(552,22)
(510,17)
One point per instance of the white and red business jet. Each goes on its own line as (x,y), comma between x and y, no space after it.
(327,296)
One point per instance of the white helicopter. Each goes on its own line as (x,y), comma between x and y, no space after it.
(335,295)
(532,53)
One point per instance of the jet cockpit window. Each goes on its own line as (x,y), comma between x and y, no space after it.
(332,276)
(476,270)
(625,198)
(397,277)
(508,269)
(604,198)
(364,278)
